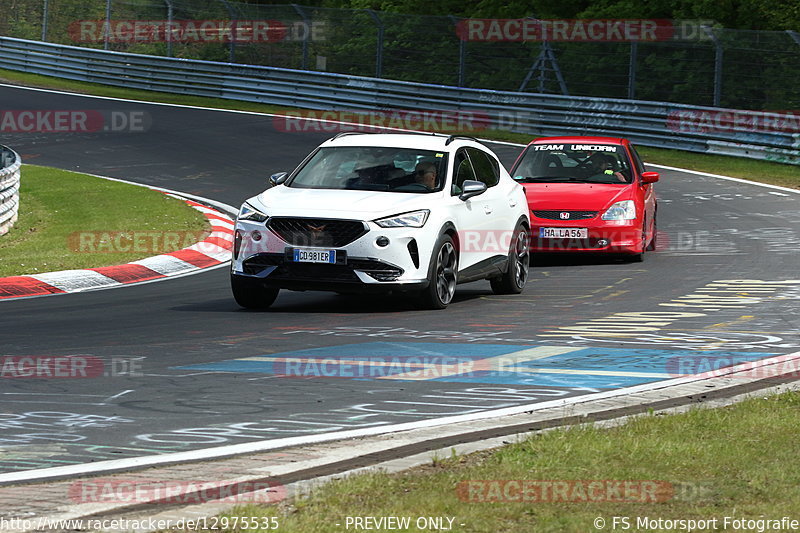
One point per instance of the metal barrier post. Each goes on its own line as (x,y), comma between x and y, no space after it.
(45,13)
(462,52)
(717,65)
(307,22)
(632,70)
(234,20)
(378,44)
(107,29)
(170,14)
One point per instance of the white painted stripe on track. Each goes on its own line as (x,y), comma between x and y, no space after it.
(166,265)
(217,223)
(260,446)
(75,280)
(210,249)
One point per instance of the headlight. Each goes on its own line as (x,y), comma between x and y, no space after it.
(624,210)
(248,212)
(415,219)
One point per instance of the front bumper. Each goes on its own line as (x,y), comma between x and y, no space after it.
(348,274)
(602,236)
(380,259)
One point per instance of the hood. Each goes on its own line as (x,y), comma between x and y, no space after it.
(324,203)
(574,196)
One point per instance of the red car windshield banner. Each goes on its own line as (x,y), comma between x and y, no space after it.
(575,147)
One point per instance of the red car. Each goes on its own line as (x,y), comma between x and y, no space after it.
(588,194)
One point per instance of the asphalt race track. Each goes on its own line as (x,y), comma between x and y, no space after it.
(184,368)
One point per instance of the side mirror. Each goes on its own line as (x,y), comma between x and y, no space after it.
(277,179)
(650,177)
(471,188)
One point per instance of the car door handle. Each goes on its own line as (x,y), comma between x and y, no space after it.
(512,203)
(487,209)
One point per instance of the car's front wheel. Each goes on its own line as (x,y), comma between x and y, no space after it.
(638,257)
(516,274)
(653,242)
(250,294)
(443,275)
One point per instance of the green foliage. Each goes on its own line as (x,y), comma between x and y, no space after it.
(419,43)
(738,14)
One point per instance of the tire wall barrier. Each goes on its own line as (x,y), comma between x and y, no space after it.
(9,188)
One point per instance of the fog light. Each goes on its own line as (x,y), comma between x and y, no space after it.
(602,242)
(256,235)
(382,241)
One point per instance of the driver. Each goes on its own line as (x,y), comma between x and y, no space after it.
(602,165)
(425,174)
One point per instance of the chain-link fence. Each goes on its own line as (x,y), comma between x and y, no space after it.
(671,61)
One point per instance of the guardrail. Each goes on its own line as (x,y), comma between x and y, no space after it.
(758,135)
(9,188)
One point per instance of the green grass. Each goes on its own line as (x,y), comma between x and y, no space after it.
(737,167)
(761,171)
(737,461)
(69,220)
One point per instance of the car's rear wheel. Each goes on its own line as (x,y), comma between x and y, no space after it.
(250,294)
(516,274)
(443,275)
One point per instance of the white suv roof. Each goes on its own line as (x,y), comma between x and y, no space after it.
(431,141)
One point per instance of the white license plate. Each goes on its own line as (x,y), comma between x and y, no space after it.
(563,233)
(305,255)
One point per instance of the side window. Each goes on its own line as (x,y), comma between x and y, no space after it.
(486,168)
(637,161)
(463,172)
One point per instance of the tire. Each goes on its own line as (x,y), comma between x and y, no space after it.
(442,276)
(639,257)
(251,294)
(653,241)
(519,258)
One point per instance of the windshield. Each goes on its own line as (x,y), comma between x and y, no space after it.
(370,168)
(578,163)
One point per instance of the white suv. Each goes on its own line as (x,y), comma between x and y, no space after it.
(416,213)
